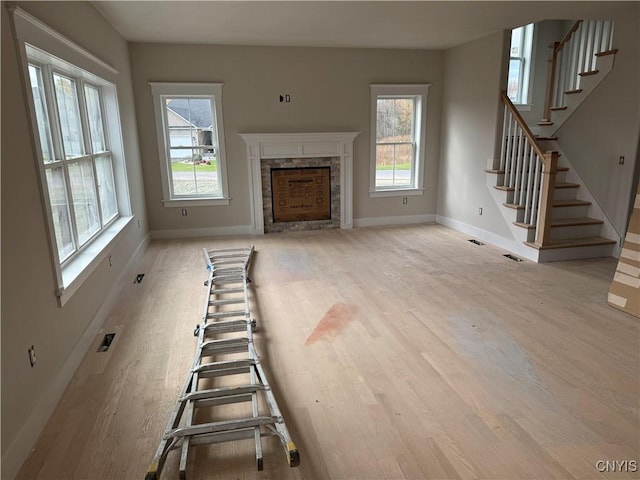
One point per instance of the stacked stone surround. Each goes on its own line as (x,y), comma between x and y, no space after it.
(267,207)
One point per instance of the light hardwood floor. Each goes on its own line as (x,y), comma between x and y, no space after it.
(395,352)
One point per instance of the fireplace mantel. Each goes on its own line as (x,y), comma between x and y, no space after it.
(261,146)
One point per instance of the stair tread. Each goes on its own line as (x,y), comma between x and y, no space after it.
(504,188)
(572,222)
(573,92)
(567,185)
(570,203)
(564,222)
(590,72)
(545,122)
(543,138)
(573,242)
(608,52)
(514,206)
(499,172)
(555,109)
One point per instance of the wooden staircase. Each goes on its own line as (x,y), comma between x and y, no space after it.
(550,212)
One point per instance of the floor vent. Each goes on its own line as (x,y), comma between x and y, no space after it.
(512,257)
(106,342)
(139,278)
(477,242)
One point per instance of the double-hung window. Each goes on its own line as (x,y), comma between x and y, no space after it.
(76,157)
(74,114)
(191,143)
(398,131)
(520,63)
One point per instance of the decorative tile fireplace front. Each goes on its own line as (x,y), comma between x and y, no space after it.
(271,151)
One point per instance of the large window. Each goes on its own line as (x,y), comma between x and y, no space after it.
(520,61)
(76,157)
(398,138)
(191,143)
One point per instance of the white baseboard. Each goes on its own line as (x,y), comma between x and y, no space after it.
(396,220)
(17,452)
(517,248)
(200,232)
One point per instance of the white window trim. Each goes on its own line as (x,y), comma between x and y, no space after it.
(61,52)
(158,89)
(421,90)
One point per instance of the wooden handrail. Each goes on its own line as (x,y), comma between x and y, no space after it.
(557,48)
(525,128)
(551,78)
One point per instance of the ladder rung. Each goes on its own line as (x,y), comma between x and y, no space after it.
(223,392)
(235,313)
(220,437)
(222,291)
(207,367)
(225,425)
(215,402)
(226,327)
(230,301)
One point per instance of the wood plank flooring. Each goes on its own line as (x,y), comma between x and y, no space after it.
(395,352)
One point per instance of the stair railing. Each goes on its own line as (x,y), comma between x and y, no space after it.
(529,173)
(573,57)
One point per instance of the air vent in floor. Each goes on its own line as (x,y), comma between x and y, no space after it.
(106,342)
(512,257)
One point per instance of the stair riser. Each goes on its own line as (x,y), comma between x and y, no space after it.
(560,254)
(565,193)
(570,212)
(578,231)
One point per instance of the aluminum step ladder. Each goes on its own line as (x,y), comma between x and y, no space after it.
(226,371)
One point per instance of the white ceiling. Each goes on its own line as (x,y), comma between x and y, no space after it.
(373,24)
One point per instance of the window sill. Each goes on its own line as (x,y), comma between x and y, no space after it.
(196,202)
(84,264)
(396,193)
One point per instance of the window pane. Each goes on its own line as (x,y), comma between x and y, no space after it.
(85,200)
(69,114)
(516,41)
(513,85)
(60,212)
(94,114)
(106,188)
(44,132)
(395,120)
(199,175)
(394,165)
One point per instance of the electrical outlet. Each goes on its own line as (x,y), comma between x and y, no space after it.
(479,210)
(405,200)
(287,98)
(621,160)
(184,212)
(32,355)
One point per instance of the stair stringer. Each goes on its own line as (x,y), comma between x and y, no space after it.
(510,216)
(604,64)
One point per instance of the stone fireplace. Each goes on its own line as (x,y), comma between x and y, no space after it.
(269,152)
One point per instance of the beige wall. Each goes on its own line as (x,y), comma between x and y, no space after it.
(472,78)
(30,312)
(329,91)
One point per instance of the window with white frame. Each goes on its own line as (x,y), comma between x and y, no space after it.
(398,132)
(520,62)
(191,143)
(76,158)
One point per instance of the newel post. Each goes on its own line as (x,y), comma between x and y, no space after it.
(549,170)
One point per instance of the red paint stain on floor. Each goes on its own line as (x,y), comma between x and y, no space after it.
(333,322)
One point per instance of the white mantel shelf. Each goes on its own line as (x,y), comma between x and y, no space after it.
(262,146)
